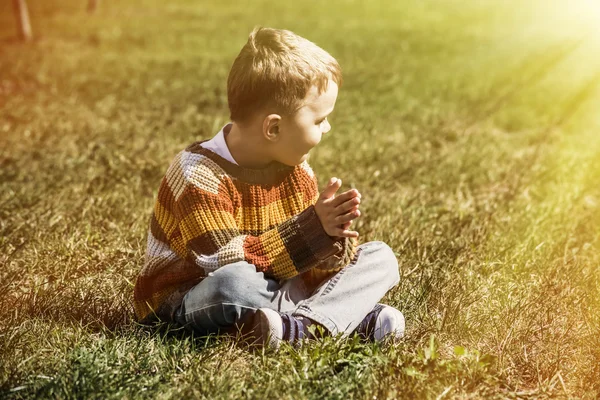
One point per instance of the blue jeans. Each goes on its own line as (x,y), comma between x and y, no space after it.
(232,294)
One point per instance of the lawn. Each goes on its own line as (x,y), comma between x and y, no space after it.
(471,128)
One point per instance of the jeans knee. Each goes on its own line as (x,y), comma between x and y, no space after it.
(224,297)
(233,283)
(387,261)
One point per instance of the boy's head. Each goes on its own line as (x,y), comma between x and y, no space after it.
(286,85)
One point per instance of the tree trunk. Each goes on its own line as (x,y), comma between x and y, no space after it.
(23,23)
(93,5)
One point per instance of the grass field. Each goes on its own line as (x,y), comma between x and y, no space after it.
(472,130)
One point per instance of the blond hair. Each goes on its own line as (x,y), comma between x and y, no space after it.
(275,70)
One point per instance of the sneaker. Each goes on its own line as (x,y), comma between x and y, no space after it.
(382,322)
(270,328)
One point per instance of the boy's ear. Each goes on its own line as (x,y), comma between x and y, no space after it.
(271,126)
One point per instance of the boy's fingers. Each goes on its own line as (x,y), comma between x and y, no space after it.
(346,233)
(350,194)
(347,205)
(342,219)
(332,187)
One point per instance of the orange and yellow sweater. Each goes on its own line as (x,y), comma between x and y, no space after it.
(211,212)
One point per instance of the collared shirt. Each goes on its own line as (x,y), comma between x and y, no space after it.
(218,144)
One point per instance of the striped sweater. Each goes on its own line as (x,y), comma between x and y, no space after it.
(211,212)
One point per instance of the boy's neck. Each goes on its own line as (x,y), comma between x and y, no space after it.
(248,147)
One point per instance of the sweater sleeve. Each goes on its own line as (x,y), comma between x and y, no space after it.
(212,238)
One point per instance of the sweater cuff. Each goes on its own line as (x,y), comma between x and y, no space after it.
(339,260)
(321,244)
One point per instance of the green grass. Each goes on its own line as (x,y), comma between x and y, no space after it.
(471,129)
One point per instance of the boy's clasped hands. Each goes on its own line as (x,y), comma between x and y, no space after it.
(337,212)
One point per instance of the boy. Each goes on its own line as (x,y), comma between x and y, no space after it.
(240,236)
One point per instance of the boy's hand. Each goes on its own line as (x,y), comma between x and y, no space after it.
(337,212)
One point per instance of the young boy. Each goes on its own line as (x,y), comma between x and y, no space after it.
(240,236)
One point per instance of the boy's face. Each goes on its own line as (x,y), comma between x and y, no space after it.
(300,132)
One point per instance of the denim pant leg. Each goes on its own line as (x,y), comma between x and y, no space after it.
(231,294)
(342,302)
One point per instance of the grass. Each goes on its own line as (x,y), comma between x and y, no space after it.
(471,129)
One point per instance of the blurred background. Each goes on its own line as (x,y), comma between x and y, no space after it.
(470,127)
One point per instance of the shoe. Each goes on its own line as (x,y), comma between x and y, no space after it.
(271,328)
(382,322)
